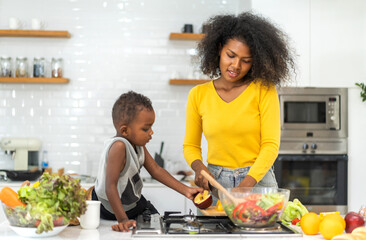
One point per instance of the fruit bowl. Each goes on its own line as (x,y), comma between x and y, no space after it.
(21,221)
(254,207)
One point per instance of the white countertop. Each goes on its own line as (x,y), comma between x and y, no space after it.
(105,232)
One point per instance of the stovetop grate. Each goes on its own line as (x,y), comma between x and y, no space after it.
(188,225)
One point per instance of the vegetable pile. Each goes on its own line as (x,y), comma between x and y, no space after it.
(257,210)
(52,202)
(293,212)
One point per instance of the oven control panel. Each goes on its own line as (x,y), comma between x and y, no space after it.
(313,146)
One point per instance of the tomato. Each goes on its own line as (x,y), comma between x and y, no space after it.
(295,221)
(254,197)
(10,198)
(58,222)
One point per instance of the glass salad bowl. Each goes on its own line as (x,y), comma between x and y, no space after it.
(256,207)
(23,221)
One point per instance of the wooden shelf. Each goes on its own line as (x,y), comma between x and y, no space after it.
(34,33)
(187,81)
(186,36)
(33,80)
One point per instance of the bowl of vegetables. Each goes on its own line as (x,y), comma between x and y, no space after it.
(256,207)
(45,208)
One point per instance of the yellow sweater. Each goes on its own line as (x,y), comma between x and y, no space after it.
(244,132)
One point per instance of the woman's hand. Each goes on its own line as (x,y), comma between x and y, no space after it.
(248,181)
(191,192)
(199,179)
(124,226)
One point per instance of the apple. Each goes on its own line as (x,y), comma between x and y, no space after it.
(203,200)
(353,220)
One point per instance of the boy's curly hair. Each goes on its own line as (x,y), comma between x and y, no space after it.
(272,57)
(127,106)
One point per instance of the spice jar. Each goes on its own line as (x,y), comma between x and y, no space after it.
(38,67)
(21,67)
(56,67)
(5,66)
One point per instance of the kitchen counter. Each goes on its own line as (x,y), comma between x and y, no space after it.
(105,232)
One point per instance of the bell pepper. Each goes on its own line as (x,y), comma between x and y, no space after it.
(274,208)
(10,198)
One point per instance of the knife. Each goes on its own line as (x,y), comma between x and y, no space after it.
(214,191)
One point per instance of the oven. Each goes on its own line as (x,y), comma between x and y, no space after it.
(318,181)
(313,156)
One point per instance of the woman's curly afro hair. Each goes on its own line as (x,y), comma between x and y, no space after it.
(272,57)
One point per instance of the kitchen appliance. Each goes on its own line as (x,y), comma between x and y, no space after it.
(172,224)
(313,112)
(24,152)
(313,161)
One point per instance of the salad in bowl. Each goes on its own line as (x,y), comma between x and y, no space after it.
(255,207)
(45,205)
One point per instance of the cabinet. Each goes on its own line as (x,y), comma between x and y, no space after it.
(37,34)
(187,37)
(166,199)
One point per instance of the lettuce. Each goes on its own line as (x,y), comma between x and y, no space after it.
(293,210)
(270,199)
(56,197)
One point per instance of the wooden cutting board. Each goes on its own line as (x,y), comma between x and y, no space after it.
(211,211)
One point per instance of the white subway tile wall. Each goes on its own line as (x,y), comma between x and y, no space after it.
(115,46)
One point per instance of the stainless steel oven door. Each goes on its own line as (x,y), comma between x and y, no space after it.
(318,181)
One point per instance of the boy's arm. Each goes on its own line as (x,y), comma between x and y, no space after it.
(164,177)
(115,164)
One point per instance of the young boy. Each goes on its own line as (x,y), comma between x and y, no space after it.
(118,185)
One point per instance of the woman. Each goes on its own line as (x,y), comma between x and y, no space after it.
(238,112)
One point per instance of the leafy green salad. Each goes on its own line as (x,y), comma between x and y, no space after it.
(256,210)
(54,202)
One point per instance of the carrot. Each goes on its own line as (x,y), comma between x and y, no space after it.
(9,197)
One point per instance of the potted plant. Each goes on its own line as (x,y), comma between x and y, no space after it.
(363,91)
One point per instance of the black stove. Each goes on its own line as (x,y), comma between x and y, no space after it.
(173,224)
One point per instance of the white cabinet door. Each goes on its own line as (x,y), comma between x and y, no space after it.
(164,198)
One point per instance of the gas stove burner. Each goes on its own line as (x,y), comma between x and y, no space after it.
(190,217)
(192,226)
(276,227)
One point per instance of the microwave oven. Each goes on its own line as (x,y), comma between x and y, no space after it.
(313,112)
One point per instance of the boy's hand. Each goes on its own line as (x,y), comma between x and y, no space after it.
(191,192)
(124,226)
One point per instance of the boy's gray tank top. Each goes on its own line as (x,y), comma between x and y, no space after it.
(129,184)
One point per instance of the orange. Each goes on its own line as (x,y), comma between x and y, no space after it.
(323,214)
(310,223)
(338,218)
(330,227)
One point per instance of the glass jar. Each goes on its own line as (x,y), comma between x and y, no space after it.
(56,67)
(39,67)
(5,66)
(21,67)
